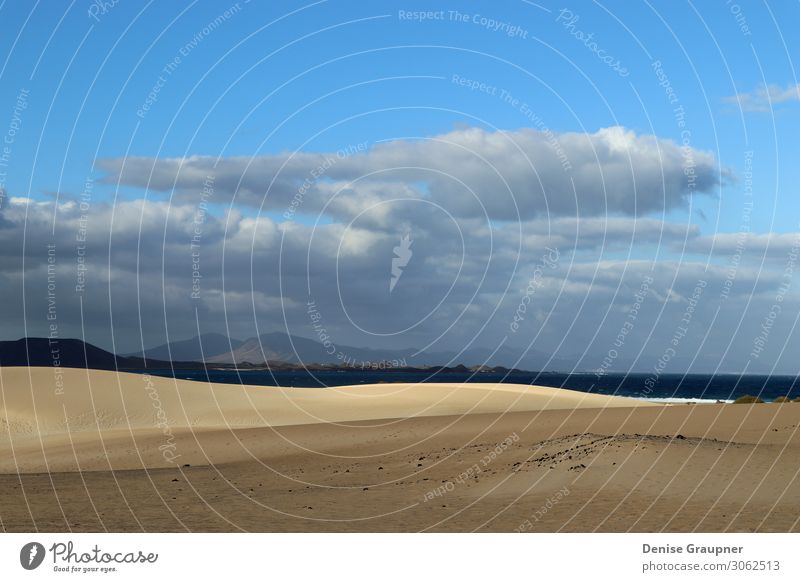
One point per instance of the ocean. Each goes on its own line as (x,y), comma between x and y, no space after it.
(666,387)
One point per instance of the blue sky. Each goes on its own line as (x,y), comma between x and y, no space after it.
(264,79)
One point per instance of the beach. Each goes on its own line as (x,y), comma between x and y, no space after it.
(87,450)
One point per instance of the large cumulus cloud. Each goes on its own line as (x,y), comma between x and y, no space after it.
(471,172)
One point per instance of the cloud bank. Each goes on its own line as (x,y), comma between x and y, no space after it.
(495,220)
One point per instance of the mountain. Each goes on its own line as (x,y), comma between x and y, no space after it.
(75,353)
(65,353)
(283,347)
(196,349)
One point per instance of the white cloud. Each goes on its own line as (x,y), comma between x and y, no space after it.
(765,97)
(748,245)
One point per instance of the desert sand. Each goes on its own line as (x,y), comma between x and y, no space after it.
(102,451)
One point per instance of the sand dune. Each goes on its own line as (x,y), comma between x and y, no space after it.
(386,458)
(76,414)
(93,399)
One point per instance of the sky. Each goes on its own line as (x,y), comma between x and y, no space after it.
(610,184)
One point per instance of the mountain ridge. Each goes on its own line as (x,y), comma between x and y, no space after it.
(196,349)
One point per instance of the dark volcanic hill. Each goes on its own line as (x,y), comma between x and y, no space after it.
(74,353)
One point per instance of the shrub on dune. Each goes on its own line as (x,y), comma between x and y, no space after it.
(780,399)
(748,399)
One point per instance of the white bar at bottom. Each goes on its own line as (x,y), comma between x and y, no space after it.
(350,557)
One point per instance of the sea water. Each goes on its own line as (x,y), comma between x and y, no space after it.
(673,388)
